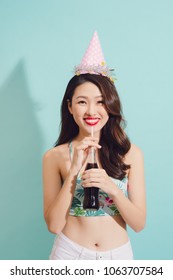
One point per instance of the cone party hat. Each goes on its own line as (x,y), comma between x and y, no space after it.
(93,61)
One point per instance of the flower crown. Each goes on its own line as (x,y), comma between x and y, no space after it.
(102,69)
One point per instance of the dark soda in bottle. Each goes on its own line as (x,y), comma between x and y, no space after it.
(91,194)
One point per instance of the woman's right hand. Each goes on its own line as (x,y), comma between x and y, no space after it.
(80,152)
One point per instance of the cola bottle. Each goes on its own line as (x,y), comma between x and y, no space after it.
(91,194)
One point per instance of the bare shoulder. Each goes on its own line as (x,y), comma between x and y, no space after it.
(134,154)
(56,154)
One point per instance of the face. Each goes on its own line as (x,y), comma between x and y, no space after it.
(88,109)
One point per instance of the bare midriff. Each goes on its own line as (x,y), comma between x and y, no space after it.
(97,233)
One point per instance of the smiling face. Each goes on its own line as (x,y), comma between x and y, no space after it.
(87,108)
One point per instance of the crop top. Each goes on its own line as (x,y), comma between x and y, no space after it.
(106,208)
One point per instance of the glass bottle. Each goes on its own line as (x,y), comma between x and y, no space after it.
(91,194)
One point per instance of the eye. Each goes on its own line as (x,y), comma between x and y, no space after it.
(82,102)
(100,102)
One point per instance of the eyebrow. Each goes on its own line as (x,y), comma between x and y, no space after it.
(85,97)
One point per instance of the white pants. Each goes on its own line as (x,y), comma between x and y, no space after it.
(66,249)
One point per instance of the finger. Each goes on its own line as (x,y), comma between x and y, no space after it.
(85,145)
(94,172)
(91,143)
(91,180)
(91,176)
(82,146)
(90,185)
(90,138)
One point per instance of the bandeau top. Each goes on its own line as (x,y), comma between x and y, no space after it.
(106,204)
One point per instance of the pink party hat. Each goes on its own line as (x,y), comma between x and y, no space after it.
(93,61)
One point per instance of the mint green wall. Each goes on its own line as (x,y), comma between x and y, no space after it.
(40,42)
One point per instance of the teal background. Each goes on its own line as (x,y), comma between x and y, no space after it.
(40,42)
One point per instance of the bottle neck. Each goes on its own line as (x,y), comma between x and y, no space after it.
(92,155)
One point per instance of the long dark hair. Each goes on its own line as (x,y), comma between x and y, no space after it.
(114,141)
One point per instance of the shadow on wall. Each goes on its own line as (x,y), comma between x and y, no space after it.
(22,225)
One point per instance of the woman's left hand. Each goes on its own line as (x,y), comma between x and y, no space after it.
(98,178)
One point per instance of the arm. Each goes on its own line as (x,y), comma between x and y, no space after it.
(133,208)
(57,198)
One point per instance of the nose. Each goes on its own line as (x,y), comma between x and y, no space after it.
(91,109)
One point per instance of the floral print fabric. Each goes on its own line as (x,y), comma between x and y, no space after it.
(107,207)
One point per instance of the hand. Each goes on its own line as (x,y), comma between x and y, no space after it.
(96,177)
(81,151)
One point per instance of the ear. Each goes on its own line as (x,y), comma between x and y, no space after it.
(69,106)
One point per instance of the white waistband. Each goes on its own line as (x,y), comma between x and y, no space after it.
(82,249)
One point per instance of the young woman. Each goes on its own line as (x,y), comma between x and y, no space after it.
(91,100)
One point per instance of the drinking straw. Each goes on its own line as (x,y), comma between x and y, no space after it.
(92,148)
(92,131)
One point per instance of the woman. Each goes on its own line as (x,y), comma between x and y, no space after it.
(91,100)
